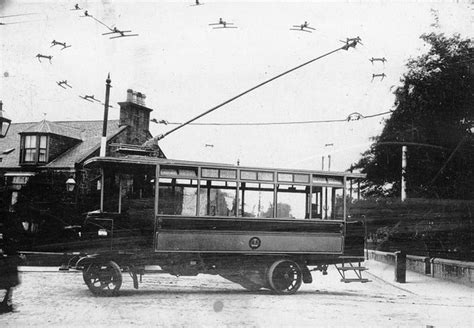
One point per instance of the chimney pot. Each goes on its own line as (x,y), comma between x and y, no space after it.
(139,98)
(129,95)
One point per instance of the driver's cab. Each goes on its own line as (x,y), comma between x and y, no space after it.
(127,207)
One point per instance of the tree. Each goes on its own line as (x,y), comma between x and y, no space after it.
(433,116)
(283,211)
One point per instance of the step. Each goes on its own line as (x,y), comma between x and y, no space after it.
(354,268)
(362,280)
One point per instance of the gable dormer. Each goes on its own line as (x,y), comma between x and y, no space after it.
(43,142)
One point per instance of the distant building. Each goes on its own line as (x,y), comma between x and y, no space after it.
(52,154)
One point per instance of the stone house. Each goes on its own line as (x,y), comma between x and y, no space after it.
(40,161)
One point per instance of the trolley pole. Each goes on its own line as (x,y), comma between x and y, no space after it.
(349,43)
(103,141)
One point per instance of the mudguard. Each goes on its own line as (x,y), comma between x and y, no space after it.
(121,258)
(86,260)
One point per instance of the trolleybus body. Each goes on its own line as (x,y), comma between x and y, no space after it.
(258,227)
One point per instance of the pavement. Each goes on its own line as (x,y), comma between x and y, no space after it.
(416,283)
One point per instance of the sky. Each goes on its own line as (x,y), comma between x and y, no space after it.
(186,67)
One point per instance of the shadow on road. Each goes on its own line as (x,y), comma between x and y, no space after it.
(213,291)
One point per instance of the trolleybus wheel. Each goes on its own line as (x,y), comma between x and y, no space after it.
(104,279)
(284,277)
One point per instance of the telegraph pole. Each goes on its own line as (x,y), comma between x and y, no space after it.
(103,142)
(404,171)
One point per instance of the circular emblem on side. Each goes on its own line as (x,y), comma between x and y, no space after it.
(254,242)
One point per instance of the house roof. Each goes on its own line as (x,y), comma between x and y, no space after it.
(90,133)
(54,128)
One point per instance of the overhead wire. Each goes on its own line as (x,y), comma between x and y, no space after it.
(276,123)
(347,44)
(6,22)
(100,22)
(84,95)
(17,15)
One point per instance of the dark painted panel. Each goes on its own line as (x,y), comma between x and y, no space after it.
(355,239)
(238,224)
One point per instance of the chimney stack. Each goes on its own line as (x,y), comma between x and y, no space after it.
(136,115)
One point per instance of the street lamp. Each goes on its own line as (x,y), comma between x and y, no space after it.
(70,184)
(4,123)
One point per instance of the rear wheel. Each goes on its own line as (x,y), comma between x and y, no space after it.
(103,279)
(284,277)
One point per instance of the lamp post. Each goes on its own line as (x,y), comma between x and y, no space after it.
(4,122)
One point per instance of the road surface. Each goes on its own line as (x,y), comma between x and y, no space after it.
(61,299)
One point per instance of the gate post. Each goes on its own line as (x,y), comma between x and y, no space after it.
(427,266)
(400,266)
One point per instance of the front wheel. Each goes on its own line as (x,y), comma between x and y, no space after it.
(103,279)
(284,277)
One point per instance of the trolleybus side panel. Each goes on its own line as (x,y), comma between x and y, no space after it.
(254,236)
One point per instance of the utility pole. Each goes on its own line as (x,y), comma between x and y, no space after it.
(404,171)
(329,156)
(103,142)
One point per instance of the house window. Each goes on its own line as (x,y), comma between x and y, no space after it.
(30,149)
(42,149)
(35,149)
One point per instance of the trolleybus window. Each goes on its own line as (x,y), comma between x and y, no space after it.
(256,200)
(111,192)
(217,198)
(327,203)
(292,202)
(131,193)
(177,196)
(137,195)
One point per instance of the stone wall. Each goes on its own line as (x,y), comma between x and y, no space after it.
(457,271)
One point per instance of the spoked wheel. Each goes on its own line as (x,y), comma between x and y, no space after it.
(103,279)
(284,277)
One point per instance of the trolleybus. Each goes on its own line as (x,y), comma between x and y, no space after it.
(261,228)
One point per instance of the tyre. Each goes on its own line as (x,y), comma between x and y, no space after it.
(284,277)
(103,279)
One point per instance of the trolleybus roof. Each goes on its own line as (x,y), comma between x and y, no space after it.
(145,160)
